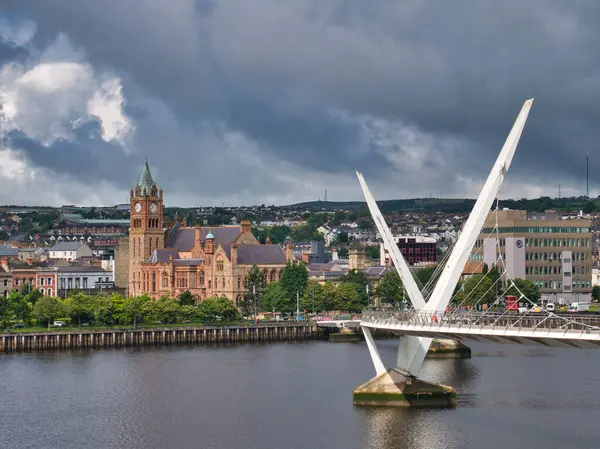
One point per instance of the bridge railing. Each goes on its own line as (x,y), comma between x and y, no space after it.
(508,320)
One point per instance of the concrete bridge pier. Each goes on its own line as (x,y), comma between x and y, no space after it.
(395,388)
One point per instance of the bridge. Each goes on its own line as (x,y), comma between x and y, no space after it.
(535,329)
(340,324)
(427,319)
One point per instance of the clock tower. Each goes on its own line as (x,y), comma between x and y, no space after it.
(146,226)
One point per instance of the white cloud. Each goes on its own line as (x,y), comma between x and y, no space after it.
(48,98)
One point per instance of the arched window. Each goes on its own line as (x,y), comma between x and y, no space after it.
(273,276)
(49,292)
(265,275)
(165,280)
(42,291)
(153,281)
(202,279)
(238,300)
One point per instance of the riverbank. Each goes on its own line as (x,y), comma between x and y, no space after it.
(74,339)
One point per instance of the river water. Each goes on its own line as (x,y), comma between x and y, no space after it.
(296,395)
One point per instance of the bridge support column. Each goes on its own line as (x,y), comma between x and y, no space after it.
(395,388)
(448,349)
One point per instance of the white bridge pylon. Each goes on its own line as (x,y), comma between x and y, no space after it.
(412,350)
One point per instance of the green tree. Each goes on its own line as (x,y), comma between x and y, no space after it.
(118,305)
(227,310)
(359,280)
(390,289)
(49,308)
(293,281)
(348,297)
(274,299)
(528,288)
(188,313)
(103,308)
(21,308)
(476,290)
(187,299)
(343,253)
(80,307)
(596,293)
(133,308)
(372,252)
(424,274)
(254,283)
(5,311)
(4,235)
(589,207)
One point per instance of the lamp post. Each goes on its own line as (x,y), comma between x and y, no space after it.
(297,306)
(254,293)
(368,296)
(313,298)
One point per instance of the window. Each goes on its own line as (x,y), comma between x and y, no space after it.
(202,279)
(42,291)
(567,274)
(77,285)
(272,276)
(165,280)
(49,292)
(239,282)
(49,280)
(5,282)
(85,284)
(70,283)
(219,265)
(42,281)
(153,281)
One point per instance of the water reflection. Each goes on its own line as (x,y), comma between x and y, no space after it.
(292,396)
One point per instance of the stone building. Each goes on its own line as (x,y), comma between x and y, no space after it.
(205,261)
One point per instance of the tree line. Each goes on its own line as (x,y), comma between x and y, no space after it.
(36,309)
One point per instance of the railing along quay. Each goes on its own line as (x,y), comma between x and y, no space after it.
(27,341)
(483,320)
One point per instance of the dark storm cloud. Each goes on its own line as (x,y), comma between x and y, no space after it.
(86,156)
(280,72)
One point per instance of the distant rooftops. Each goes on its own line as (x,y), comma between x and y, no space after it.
(67,246)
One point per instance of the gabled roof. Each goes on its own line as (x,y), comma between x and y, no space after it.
(248,254)
(162,255)
(67,246)
(7,251)
(182,239)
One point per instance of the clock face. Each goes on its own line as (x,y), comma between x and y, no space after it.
(153,207)
(138,207)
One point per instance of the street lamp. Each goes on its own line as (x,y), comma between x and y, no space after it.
(368,297)
(297,306)
(254,293)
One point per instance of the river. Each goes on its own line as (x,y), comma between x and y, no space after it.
(296,395)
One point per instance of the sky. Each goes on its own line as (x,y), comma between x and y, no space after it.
(273,102)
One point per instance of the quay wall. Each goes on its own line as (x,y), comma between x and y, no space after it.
(117,338)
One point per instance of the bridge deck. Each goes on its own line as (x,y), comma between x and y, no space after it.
(541,329)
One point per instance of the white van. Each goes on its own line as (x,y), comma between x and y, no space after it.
(59,324)
(579,307)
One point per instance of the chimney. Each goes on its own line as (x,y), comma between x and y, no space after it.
(289,252)
(246,225)
(29,261)
(234,253)
(197,236)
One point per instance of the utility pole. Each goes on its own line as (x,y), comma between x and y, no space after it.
(587,175)
(559,192)
(297,305)
(313,295)
(368,297)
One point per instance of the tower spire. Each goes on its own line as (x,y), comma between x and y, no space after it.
(146,182)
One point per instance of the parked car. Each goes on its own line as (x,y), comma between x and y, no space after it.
(19,326)
(59,323)
(550,307)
